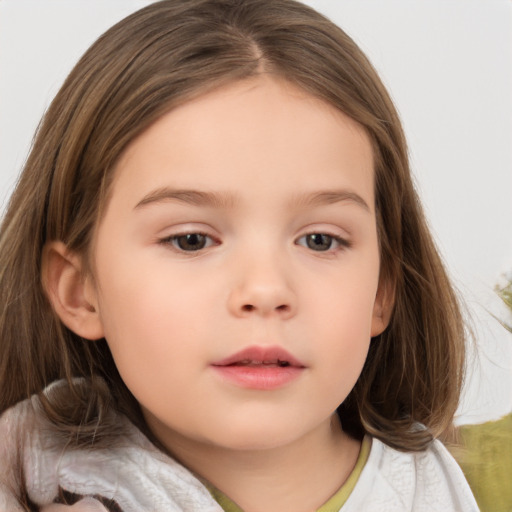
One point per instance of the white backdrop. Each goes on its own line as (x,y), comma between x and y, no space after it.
(448,66)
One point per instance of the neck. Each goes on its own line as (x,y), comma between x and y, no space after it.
(300,476)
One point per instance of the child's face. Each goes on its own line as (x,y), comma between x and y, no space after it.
(275,191)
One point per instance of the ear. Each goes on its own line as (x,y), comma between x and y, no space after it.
(71,293)
(383,306)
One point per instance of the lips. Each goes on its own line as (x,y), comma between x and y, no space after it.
(261,356)
(260,368)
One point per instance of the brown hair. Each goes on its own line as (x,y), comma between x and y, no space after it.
(141,68)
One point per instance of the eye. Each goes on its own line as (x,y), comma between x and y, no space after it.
(189,242)
(322,242)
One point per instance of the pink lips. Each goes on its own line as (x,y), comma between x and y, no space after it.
(263,368)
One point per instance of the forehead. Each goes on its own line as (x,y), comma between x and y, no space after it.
(263,128)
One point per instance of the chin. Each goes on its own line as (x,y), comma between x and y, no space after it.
(257,437)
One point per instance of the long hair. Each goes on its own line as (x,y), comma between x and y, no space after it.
(153,60)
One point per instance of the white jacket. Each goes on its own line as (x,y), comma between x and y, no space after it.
(140,478)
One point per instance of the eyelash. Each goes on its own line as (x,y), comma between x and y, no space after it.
(327,238)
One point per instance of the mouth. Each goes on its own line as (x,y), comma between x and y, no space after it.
(260,368)
(252,362)
(261,357)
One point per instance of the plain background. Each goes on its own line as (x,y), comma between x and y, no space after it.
(448,66)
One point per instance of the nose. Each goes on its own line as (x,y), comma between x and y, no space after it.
(262,287)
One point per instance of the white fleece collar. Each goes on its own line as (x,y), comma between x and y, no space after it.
(135,474)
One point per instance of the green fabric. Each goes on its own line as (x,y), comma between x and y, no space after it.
(485,456)
(338,500)
(226,504)
(334,503)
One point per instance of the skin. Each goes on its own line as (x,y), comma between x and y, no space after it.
(85,505)
(267,150)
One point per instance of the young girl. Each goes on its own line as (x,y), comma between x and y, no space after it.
(218,290)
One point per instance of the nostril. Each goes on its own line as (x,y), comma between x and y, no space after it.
(250,307)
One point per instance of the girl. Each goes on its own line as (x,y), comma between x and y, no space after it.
(218,288)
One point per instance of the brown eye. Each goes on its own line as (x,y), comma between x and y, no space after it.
(190,242)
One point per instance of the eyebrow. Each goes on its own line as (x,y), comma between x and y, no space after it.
(330,197)
(192,197)
(227,200)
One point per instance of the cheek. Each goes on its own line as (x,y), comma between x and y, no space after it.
(148,318)
(342,329)
(345,339)
(346,300)
(153,339)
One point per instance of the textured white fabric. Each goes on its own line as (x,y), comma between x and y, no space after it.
(141,478)
(429,481)
(133,473)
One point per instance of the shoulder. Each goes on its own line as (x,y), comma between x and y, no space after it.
(427,481)
(131,472)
